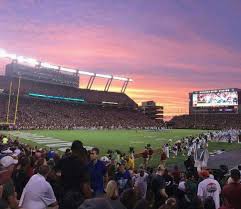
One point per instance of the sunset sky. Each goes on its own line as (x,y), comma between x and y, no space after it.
(168,47)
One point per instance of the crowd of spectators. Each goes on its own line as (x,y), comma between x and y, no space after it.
(90,96)
(36,178)
(46,114)
(207,121)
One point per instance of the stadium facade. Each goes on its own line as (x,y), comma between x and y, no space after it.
(44,98)
(152,110)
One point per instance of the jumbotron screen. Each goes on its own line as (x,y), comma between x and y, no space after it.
(215,98)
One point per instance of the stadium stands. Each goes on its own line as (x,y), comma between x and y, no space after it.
(44,114)
(207,121)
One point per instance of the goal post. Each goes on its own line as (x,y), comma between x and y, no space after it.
(7,121)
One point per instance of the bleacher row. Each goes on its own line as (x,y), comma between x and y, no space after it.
(90,96)
(207,121)
(35,113)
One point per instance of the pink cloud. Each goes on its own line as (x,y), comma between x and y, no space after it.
(129,54)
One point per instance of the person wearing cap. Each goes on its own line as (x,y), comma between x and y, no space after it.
(8,193)
(158,185)
(232,191)
(209,188)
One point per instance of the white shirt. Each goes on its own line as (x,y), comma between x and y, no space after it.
(210,188)
(141,181)
(37,194)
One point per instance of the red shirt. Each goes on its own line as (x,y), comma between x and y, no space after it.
(163,156)
(145,154)
(232,192)
(150,151)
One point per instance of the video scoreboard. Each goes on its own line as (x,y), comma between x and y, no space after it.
(215,101)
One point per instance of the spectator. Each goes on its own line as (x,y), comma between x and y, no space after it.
(176,174)
(112,195)
(129,198)
(232,191)
(98,172)
(196,204)
(141,179)
(20,175)
(158,187)
(209,188)
(123,178)
(8,189)
(169,183)
(95,203)
(74,177)
(209,203)
(38,193)
(191,187)
(170,203)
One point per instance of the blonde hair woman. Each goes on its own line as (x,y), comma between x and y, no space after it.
(112,190)
(112,195)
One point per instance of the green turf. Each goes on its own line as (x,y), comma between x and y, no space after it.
(119,139)
(123,139)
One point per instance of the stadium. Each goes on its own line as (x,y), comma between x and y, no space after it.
(42,106)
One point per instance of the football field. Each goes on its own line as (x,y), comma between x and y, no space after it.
(121,140)
(106,139)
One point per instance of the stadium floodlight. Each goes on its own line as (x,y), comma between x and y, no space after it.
(3,53)
(47,65)
(85,73)
(68,70)
(11,56)
(34,62)
(27,60)
(103,76)
(119,78)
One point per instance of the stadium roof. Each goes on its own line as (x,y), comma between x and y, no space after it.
(34,62)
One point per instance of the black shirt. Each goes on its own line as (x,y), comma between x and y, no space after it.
(158,183)
(73,173)
(169,184)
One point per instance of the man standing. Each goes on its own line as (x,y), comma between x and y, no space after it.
(141,179)
(123,178)
(74,176)
(209,188)
(158,187)
(38,193)
(98,172)
(232,191)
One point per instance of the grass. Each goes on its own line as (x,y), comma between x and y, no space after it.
(123,139)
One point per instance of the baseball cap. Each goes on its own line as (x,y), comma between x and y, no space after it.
(7,161)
